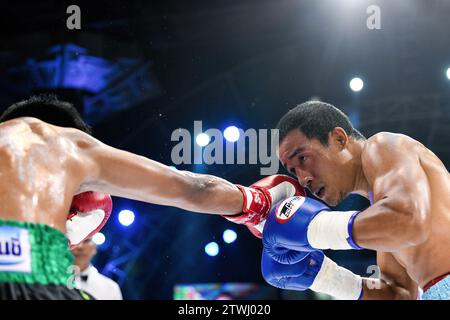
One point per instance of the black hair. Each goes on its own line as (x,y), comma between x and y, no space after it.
(316,119)
(48,108)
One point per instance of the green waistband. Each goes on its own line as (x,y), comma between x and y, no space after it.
(51,259)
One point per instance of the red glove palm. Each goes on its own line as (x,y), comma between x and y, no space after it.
(88,213)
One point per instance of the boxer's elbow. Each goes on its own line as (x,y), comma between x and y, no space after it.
(403,291)
(400,293)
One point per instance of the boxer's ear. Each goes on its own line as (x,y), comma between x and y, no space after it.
(339,137)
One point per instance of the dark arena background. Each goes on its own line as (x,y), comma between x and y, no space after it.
(140,70)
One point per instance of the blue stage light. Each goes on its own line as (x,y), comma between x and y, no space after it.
(202,139)
(229,236)
(231,134)
(212,249)
(99,238)
(356,84)
(126,217)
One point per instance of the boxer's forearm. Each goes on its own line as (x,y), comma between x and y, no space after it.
(389,226)
(379,289)
(211,194)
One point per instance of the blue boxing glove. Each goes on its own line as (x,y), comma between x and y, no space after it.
(300,224)
(315,272)
(297,276)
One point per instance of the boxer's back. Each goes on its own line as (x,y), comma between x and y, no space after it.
(35,169)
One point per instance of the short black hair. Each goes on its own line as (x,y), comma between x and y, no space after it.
(48,108)
(316,119)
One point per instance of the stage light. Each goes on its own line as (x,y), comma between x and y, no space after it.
(202,139)
(212,249)
(231,134)
(126,217)
(356,84)
(99,238)
(229,236)
(448,73)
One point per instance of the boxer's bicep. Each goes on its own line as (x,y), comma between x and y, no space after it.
(397,177)
(402,189)
(400,215)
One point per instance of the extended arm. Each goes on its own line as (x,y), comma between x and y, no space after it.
(109,170)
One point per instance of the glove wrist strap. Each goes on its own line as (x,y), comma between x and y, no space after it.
(254,209)
(332,230)
(337,281)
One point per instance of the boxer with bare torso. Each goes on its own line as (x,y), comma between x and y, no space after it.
(47,157)
(408,222)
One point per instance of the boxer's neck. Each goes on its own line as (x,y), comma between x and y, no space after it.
(360,184)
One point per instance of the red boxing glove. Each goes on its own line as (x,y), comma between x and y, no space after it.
(259,198)
(88,213)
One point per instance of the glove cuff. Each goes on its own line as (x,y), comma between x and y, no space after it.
(332,230)
(337,281)
(255,208)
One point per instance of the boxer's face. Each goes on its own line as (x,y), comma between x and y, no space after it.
(324,170)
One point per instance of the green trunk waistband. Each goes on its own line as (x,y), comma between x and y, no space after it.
(47,261)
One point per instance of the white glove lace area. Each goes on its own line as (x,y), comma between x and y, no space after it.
(337,281)
(82,224)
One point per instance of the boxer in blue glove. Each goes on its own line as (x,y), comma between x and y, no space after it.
(300,224)
(409,188)
(316,272)
(292,236)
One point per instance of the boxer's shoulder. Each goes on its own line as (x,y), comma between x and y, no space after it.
(386,151)
(80,139)
(21,123)
(377,149)
(383,140)
(387,145)
(32,126)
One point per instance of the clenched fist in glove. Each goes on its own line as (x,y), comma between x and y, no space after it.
(259,198)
